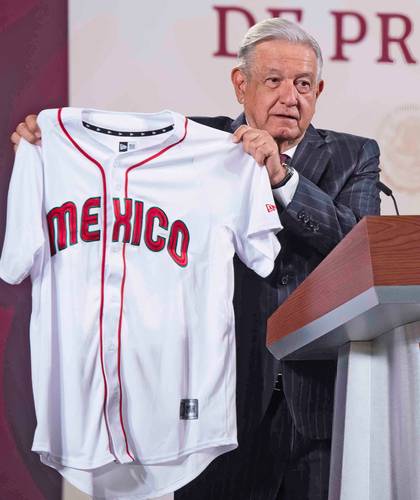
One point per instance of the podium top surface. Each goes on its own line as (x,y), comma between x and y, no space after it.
(381,252)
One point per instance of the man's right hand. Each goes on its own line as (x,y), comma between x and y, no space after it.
(29,130)
(263,148)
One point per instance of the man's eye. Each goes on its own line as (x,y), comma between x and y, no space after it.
(272,81)
(303,86)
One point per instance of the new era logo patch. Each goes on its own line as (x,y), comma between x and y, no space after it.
(270,207)
(123,146)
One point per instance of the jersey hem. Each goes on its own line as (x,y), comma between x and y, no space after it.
(170,488)
(161,460)
(158,460)
(56,461)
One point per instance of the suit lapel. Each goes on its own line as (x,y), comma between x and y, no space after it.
(311,156)
(240,120)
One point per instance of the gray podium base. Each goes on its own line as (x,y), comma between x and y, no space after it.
(376,431)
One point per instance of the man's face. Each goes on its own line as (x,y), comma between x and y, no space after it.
(280,93)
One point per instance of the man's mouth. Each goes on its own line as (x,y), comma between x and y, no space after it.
(286,117)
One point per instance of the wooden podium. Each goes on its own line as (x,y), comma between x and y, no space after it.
(362,306)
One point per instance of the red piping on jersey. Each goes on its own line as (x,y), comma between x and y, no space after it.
(159,153)
(101,310)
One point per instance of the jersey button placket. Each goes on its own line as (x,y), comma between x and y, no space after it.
(117,179)
(114,272)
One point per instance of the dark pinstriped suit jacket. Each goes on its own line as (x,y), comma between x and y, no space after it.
(337,187)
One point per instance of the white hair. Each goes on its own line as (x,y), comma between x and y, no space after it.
(276,29)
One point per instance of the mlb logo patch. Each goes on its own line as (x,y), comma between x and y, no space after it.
(270,207)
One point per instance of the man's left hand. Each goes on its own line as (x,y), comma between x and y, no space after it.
(263,148)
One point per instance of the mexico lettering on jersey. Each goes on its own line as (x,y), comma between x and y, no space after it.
(127,224)
(127,227)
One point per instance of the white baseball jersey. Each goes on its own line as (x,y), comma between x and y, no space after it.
(127,224)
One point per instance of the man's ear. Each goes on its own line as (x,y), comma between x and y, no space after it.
(320,88)
(239,84)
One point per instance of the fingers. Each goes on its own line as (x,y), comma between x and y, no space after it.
(259,150)
(239,132)
(263,148)
(258,143)
(15,138)
(32,125)
(28,129)
(22,130)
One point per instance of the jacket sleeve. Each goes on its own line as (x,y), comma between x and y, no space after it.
(320,220)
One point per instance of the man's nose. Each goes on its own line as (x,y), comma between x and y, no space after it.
(288,94)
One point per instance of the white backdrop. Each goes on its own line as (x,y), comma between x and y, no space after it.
(146,56)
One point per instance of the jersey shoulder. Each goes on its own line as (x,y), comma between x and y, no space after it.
(213,146)
(47,119)
(199,134)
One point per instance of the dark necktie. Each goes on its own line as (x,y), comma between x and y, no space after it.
(284,158)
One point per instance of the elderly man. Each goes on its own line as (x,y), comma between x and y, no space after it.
(323,187)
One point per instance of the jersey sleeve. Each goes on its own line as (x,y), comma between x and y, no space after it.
(24,229)
(258,222)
